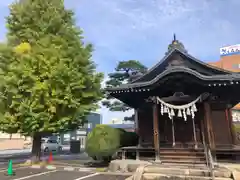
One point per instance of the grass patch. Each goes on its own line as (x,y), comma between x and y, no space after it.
(236,127)
(101,169)
(29,163)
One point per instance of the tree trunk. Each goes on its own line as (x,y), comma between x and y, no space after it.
(36,147)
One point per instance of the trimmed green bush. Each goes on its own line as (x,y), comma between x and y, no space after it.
(122,134)
(103,142)
(129,139)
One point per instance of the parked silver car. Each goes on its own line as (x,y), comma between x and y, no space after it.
(49,144)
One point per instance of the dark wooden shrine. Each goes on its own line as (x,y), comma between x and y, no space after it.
(178,79)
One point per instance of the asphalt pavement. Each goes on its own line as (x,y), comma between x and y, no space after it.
(65,159)
(22,173)
(22,157)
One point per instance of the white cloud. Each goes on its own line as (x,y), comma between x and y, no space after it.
(140,29)
(123,26)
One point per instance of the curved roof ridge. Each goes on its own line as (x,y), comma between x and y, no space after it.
(187,55)
(198,75)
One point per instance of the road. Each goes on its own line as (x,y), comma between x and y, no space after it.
(23,156)
(22,173)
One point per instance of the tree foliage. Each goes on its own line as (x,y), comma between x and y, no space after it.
(49,82)
(125,72)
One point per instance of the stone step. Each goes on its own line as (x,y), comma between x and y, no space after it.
(198,166)
(133,167)
(153,176)
(182,157)
(183,161)
(182,152)
(182,149)
(187,171)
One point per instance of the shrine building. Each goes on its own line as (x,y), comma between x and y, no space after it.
(183,105)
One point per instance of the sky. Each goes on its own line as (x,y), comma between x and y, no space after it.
(142,29)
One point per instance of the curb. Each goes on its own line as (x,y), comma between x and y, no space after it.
(117,173)
(63,168)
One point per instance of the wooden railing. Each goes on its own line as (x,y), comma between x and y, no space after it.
(209,158)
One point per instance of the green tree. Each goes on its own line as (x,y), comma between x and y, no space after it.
(125,72)
(50,83)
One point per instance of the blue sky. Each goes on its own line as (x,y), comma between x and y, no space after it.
(142,29)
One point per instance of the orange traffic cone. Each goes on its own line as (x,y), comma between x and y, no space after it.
(50,158)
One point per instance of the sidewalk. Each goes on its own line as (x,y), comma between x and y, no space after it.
(14,152)
(23,151)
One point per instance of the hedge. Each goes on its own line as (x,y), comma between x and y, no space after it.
(104,141)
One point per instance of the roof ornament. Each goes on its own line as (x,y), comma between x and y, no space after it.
(176,44)
(174,39)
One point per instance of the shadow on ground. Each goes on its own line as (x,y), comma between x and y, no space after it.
(96,164)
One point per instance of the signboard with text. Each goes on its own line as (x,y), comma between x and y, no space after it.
(230,50)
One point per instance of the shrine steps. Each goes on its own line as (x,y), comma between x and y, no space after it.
(183,156)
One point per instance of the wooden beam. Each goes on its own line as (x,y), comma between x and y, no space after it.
(156,131)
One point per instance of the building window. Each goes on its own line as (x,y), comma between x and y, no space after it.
(236,66)
(89,125)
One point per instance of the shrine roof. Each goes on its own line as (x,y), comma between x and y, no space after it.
(217,78)
(179,61)
(162,64)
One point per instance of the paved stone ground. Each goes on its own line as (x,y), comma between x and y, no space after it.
(22,173)
(233,165)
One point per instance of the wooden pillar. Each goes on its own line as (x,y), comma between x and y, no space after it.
(203,130)
(136,123)
(137,131)
(230,125)
(208,125)
(156,131)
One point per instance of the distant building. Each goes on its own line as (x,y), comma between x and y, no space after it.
(81,133)
(230,61)
(229,58)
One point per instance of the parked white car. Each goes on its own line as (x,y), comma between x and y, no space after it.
(50,145)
